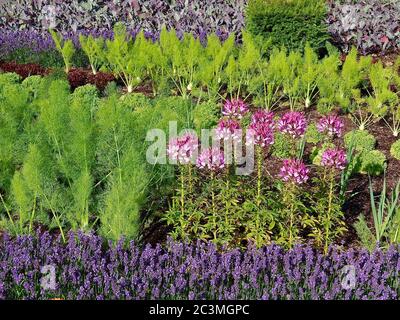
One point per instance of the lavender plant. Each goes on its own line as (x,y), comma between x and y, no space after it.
(86,268)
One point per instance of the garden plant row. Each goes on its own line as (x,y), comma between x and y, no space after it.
(86,268)
(47,130)
(258,164)
(372,26)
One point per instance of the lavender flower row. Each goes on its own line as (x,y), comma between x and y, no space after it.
(86,268)
(11,40)
(37,42)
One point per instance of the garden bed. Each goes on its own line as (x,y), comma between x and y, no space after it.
(185,164)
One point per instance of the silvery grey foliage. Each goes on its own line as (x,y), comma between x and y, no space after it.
(373,26)
(196,16)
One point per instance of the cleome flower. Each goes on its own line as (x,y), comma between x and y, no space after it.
(235,108)
(334,158)
(331,125)
(294,170)
(229,129)
(293,123)
(211,159)
(263,117)
(182,149)
(261,129)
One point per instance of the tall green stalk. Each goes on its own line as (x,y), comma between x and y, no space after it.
(331,178)
(213,207)
(258,200)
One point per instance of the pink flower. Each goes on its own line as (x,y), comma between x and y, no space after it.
(229,129)
(331,125)
(211,159)
(261,129)
(181,149)
(294,171)
(334,158)
(263,117)
(293,123)
(235,108)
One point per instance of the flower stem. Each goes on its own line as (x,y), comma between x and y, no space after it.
(8,212)
(329,212)
(214,214)
(182,197)
(291,213)
(190,178)
(259,173)
(227,204)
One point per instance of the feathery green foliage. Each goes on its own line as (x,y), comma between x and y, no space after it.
(213,63)
(65,47)
(94,49)
(181,60)
(126,57)
(75,160)
(122,170)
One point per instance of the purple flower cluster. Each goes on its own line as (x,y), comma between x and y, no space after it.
(235,109)
(293,123)
(228,129)
(294,170)
(331,125)
(38,42)
(11,41)
(182,149)
(261,129)
(334,158)
(211,159)
(86,268)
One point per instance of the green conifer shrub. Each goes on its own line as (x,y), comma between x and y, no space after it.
(289,23)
